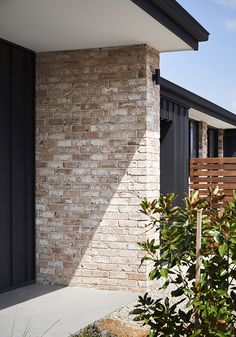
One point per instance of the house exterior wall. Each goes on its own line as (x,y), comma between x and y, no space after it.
(220,143)
(202,139)
(97,157)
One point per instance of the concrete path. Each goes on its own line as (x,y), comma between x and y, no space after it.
(40,306)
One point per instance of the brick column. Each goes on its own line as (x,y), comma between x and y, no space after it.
(220,143)
(202,140)
(97,157)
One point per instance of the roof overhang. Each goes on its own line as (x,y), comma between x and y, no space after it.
(174,17)
(211,121)
(50,25)
(200,108)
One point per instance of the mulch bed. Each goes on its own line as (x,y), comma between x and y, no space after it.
(112,328)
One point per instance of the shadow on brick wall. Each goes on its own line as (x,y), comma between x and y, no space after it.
(92,166)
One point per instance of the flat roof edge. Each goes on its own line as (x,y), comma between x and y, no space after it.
(175,18)
(192,100)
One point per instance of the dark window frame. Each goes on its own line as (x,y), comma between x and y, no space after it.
(211,130)
(196,123)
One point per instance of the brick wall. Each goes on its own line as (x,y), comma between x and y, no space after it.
(203,140)
(220,143)
(97,156)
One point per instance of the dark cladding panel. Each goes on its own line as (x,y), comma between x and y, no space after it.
(19,160)
(184,145)
(167,109)
(5,166)
(17,84)
(167,155)
(174,149)
(30,167)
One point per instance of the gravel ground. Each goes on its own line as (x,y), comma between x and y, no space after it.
(123,313)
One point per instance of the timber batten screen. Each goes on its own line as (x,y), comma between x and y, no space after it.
(211,172)
(17,199)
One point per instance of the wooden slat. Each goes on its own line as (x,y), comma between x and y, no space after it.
(213,160)
(214,180)
(205,193)
(212,172)
(213,166)
(221,186)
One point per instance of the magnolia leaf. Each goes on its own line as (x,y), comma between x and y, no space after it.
(234,194)
(178,292)
(196,333)
(223,249)
(165,285)
(167,302)
(152,333)
(184,316)
(136,311)
(223,272)
(164,272)
(153,274)
(163,255)
(174,259)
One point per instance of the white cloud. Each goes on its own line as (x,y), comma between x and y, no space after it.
(228,3)
(231,24)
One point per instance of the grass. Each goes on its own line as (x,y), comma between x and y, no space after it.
(27,330)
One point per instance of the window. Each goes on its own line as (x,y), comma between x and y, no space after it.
(193,139)
(212,135)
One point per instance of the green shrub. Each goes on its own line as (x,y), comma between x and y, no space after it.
(193,309)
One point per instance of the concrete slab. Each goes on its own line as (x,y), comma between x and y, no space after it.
(64,309)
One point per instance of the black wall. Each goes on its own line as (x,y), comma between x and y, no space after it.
(17,156)
(174,155)
(230,143)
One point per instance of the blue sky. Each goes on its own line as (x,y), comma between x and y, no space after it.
(210,71)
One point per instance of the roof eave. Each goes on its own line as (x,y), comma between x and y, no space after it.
(189,99)
(175,18)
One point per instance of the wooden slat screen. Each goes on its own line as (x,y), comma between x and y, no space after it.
(212,172)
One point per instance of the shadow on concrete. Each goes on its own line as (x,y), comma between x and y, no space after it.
(20,295)
(52,311)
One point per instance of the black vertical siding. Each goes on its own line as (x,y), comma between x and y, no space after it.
(174,156)
(19,161)
(17,166)
(30,167)
(167,157)
(5,167)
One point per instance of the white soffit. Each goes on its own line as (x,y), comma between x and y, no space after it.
(211,121)
(50,25)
